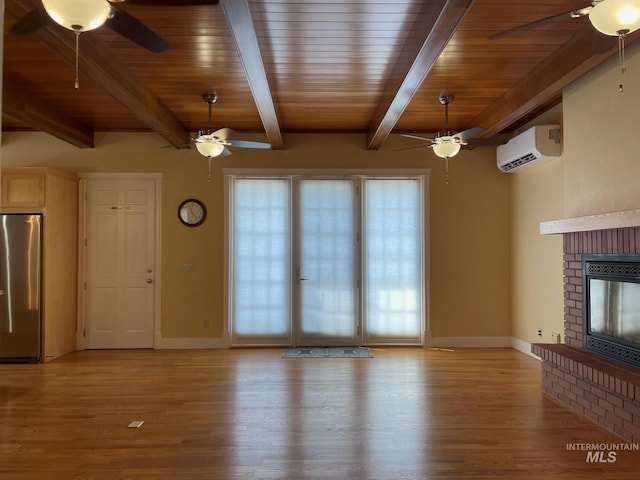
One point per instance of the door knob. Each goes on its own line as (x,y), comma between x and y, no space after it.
(149,280)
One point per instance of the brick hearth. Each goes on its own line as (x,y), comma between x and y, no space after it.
(604,391)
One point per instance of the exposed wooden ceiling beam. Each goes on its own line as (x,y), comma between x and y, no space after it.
(432,30)
(105,71)
(38,114)
(241,25)
(581,54)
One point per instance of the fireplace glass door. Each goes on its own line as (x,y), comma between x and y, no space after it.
(615,309)
(611,306)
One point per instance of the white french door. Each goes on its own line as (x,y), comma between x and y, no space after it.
(326,274)
(322,261)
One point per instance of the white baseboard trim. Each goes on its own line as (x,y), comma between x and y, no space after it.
(522,346)
(470,342)
(162,343)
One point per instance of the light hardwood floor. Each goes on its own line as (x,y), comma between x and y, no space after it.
(408,413)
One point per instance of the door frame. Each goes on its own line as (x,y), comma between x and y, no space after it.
(85,177)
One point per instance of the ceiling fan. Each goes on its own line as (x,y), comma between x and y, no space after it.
(213,144)
(616,18)
(445,144)
(84,15)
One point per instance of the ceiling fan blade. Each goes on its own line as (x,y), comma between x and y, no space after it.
(226,152)
(31,22)
(543,21)
(418,137)
(130,27)
(495,140)
(224,133)
(172,3)
(470,133)
(249,144)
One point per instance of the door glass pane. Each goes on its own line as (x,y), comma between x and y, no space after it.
(392,260)
(260,262)
(327,249)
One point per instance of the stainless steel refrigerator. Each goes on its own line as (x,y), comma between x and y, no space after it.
(20,279)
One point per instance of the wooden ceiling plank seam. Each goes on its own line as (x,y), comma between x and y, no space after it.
(241,25)
(439,30)
(579,55)
(106,71)
(38,114)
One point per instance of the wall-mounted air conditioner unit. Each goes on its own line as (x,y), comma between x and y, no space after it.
(537,144)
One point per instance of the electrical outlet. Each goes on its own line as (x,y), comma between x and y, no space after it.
(539,332)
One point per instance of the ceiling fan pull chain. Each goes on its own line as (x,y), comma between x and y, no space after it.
(623,68)
(77,32)
(209,176)
(446,170)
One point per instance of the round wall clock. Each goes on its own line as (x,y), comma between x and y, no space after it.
(192,212)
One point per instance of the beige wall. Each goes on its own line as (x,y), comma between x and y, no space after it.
(469,229)
(536,271)
(598,172)
(469,219)
(536,261)
(602,164)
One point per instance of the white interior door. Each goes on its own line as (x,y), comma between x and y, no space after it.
(327,275)
(119,300)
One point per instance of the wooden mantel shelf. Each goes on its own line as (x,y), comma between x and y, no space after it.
(602,221)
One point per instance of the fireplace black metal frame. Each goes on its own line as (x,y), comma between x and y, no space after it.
(617,267)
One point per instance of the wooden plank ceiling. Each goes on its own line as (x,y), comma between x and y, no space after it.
(281,66)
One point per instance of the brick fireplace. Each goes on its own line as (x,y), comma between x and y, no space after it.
(605,391)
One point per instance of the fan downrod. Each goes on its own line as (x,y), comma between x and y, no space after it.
(210,98)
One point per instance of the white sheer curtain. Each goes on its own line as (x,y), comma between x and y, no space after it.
(392,260)
(261,257)
(285,229)
(327,259)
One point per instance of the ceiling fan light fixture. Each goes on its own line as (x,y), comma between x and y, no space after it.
(446,147)
(78,15)
(208,147)
(615,17)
